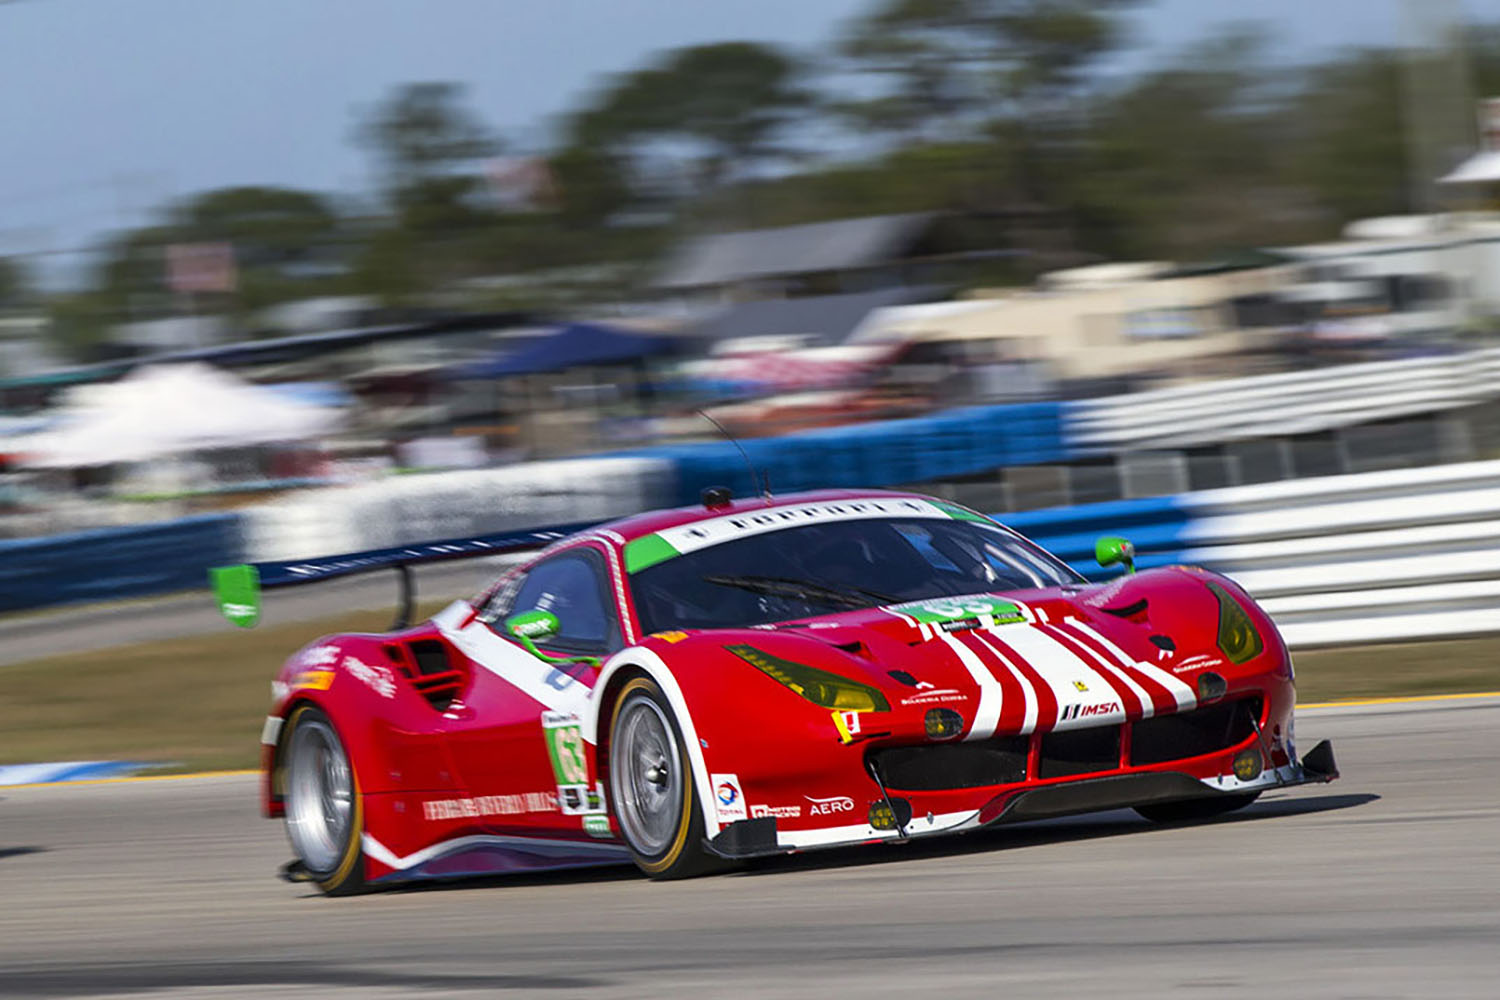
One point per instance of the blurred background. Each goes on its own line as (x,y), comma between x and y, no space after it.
(287,279)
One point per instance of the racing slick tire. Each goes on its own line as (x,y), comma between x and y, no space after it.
(324,811)
(651,787)
(1187,810)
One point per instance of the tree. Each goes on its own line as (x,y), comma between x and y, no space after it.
(723,105)
(15,283)
(945,68)
(422,133)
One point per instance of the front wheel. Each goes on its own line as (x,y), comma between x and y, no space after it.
(651,785)
(1187,810)
(324,818)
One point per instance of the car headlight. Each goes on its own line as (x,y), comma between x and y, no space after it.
(1238,640)
(818,686)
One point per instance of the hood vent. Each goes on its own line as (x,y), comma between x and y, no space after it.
(1135,611)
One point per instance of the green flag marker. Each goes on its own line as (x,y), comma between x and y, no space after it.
(237,589)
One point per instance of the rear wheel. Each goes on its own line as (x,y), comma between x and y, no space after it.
(651,785)
(1191,809)
(324,818)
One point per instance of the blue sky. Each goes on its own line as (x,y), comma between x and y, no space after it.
(111,107)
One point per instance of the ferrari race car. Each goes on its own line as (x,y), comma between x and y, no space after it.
(690,687)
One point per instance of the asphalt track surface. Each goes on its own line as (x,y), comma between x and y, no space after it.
(1384,884)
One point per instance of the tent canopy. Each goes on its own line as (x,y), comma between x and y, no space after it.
(573,346)
(170,410)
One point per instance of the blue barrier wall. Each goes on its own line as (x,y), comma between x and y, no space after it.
(954,443)
(1155,526)
(116,562)
(159,558)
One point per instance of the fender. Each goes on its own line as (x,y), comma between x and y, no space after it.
(387,728)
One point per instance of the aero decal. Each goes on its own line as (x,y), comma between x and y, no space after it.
(1184,695)
(1023,681)
(1062,672)
(700,534)
(645,659)
(550,686)
(991,695)
(1135,699)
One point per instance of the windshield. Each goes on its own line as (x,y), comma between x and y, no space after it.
(819,569)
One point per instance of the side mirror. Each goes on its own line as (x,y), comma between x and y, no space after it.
(1112,549)
(533,626)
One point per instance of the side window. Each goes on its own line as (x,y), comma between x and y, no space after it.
(573,587)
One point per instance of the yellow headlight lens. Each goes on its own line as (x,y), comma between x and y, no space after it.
(818,686)
(1238,640)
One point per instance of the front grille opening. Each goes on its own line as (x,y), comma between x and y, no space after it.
(438,679)
(999,761)
(1080,751)
(1192,734)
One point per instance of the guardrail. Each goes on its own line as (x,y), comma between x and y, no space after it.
(1280,405)
(1374,557)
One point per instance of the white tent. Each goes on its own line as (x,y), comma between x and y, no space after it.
(170,410)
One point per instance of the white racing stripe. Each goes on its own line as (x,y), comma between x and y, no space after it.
(859,833)
(987,715)
(1183,694)
(1064,671)
(376,851)
(558,690)
(1028,691)
(1148,707)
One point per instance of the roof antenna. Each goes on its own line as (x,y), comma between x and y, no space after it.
(758,481)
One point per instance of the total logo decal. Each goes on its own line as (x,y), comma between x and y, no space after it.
(780,812)
(1085,711)
(831,806)
(729,797)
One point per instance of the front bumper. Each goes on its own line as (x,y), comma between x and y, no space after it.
(759,837)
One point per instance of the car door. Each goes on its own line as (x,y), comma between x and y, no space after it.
(523,758)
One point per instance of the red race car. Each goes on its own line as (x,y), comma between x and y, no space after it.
(691,687)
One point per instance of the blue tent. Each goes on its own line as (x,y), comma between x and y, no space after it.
(573,346)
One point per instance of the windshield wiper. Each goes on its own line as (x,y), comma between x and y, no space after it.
(853,597)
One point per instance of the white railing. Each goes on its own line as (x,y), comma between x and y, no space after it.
(1281,405)
(1375,557)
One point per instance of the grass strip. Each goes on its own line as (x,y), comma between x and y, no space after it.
(197,703)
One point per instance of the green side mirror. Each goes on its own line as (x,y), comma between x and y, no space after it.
(237,590)
(538,626)
(1112,549)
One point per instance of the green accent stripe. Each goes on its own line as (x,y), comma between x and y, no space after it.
(648,551)
(958,513)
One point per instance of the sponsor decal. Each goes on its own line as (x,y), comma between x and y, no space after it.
(959,626)
(597,826)
(960,611)
(1200,661)
(489,805)
(1079,711)
(780,812)
(831,806)
(377,678)
(729,797)
(701,534)
(936,695)
(319,656)
(563,734)
(313,680)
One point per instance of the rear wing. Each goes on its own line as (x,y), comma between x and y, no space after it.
(237,589)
